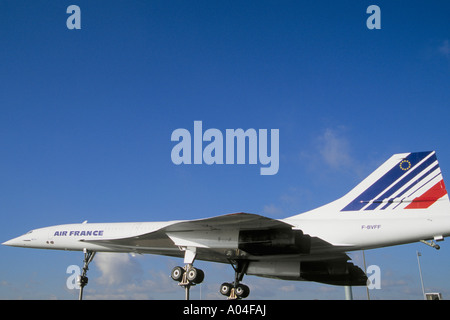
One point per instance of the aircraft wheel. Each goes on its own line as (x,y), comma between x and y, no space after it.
(242,291)
(177,274)
(82,280)
(195,275)
(225,289)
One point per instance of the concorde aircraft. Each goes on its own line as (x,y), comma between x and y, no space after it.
(402,201)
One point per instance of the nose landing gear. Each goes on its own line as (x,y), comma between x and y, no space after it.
(82,279)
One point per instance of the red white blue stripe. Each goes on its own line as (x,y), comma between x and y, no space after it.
(414,182)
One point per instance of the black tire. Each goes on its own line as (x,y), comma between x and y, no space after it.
(242,291)
(225,289)
(82,280)
(195,275)
(200,276)
(177,274)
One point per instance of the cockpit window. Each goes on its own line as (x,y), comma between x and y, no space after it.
(29,232)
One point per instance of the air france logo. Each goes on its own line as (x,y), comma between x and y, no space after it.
(78,233)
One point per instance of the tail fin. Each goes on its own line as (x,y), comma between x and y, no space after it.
(406,181)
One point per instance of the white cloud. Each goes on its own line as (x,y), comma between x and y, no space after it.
(116,268)
(272,209)
(122,277)
(334,148)
(444,48)
(331,149)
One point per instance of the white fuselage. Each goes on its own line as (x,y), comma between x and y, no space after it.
(351,231)
(72,236)
(362,232)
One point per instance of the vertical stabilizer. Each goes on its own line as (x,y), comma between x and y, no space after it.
(406,182)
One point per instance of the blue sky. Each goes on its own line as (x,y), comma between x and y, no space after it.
(86,118)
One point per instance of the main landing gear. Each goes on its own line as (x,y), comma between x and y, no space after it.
(188,276)
(236,290)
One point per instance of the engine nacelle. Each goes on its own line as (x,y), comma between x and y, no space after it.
(335,273)
(330,272)
(274,241)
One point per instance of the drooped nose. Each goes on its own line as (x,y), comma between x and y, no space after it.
(17,242)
